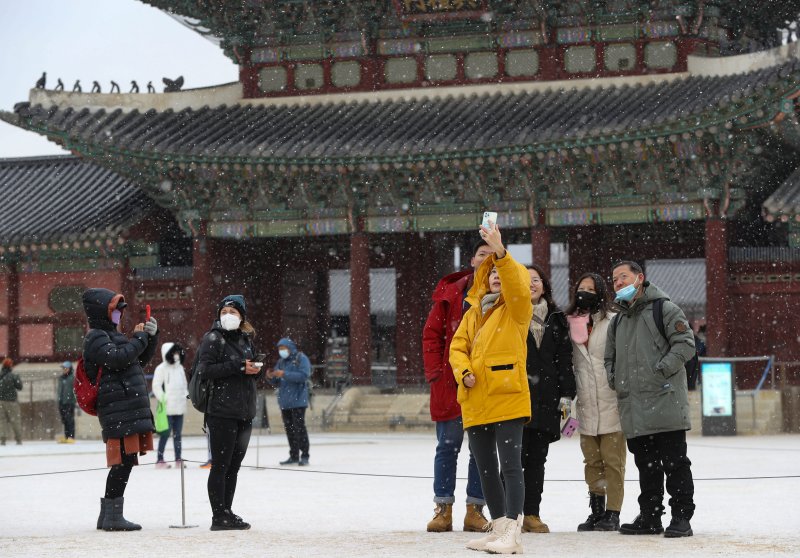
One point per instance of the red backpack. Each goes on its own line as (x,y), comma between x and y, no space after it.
(85,390)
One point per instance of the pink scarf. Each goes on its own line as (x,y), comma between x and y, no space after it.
(579,328)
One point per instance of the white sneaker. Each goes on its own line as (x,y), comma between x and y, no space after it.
(510,541)
(496,528)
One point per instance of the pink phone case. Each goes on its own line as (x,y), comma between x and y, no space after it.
(570,427)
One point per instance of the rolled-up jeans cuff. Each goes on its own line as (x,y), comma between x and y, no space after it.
(476,501)
(444,499)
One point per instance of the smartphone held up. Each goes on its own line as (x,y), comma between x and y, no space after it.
(489,216)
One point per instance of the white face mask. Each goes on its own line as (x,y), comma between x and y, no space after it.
(229,322)
(284,353)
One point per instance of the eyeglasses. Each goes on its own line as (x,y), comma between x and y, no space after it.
(536,281)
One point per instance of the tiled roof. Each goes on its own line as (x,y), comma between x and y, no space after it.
(397,130)
(47,199)
(784,203)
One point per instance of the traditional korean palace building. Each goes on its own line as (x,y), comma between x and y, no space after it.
(370,135)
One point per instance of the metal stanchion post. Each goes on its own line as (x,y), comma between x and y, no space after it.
(258,446)
(183,505)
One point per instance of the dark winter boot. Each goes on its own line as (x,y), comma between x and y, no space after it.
(227,521)
(610,522)
(678,527)
(597,503)
(112,518)
(644,524)
(238,519)
(103,506)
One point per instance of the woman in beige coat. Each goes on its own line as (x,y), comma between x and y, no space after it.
(602,442)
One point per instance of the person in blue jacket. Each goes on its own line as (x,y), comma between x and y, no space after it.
(290,375)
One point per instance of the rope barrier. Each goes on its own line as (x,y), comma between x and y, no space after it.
(743,448)
(377,475)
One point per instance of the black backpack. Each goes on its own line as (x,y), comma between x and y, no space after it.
(199,389)
(692,365)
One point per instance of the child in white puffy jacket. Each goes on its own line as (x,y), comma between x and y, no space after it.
(169,384)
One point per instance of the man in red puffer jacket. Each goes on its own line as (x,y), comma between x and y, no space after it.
(443,321)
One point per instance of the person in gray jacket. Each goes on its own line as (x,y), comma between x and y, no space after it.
(646,369)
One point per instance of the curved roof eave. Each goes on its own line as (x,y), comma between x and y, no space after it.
(424,129)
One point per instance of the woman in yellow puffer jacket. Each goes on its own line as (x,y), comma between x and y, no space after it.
(488,355)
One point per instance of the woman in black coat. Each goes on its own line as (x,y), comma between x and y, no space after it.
(552,387)
(123,403)
(225,358)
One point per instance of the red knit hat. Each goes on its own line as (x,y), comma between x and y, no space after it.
(8,363)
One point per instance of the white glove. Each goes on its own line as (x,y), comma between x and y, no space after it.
(151,327)
(565,405)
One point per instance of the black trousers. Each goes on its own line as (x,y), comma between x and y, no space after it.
(497,447)
(294,422)
(657,456)
(228,439)
(67,413)
(535,445)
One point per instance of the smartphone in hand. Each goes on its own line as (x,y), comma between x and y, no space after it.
(489,216)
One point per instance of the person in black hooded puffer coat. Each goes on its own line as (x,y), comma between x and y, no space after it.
(225,358)
(123,404)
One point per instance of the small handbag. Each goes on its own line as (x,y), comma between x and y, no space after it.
(570,426)
(162,424)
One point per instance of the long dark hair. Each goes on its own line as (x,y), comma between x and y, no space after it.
(547,288)
(602,291)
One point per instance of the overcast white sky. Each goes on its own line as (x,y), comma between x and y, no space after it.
(92,40)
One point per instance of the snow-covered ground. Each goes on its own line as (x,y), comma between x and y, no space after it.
(370,495)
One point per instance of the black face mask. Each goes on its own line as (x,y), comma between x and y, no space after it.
(586,300)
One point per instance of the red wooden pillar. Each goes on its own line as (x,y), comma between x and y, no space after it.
(716,287)
(13,311)
(127,287)
(540,245)
(202,290)
(360,330)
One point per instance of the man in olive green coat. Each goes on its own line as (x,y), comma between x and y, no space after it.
(646,369)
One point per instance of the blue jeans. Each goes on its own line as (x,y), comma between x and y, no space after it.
(450,436)
(176,427)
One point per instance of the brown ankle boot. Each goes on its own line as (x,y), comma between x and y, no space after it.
(474,520)
(442,519)
(532,524)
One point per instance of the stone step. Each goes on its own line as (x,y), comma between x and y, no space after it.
(371,406)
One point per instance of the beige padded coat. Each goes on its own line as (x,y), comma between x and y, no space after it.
(597,402)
